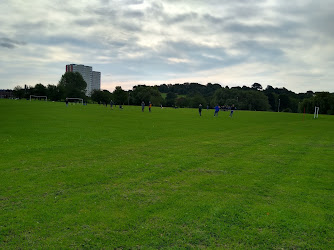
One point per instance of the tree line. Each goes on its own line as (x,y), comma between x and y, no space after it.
(188,95)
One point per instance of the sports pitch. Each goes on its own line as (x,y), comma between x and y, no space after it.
(92,177)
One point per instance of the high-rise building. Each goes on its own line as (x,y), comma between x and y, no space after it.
(92,78)
(96,80)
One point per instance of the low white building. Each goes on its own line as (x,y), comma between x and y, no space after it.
(92,78)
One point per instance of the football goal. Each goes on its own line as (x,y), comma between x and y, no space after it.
(75,100)
(39,97)
(316,112)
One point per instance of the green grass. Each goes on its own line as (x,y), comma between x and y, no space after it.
(91,177)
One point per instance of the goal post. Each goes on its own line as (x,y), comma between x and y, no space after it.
(75,99)
(39,96)
(316,112)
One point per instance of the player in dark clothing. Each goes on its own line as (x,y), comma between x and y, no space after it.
(200,109)
(232,109)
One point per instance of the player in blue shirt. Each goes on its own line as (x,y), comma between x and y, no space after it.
(216,110)
(232,109)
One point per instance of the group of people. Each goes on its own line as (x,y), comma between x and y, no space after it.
(218,108)
(149,106)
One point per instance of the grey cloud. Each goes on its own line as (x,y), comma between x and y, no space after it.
(133,2)
(213,20)
(67,40)
(256,51)
(10,43)
(285,29)
(130,26)
(120,2)
(27,25)
(200,57)
(156,9)
(127,20)
(86,22)
(133,14)
(105,12)
(156,62)
(180,18)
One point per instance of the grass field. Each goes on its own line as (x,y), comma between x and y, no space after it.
(92,177)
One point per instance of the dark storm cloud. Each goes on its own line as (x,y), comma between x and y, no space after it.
(10,43)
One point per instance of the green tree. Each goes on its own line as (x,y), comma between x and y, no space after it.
(40,89)
(72,84)
(182,102)
(120,96)
(18,92)
(170,99)
(257,86)
(196,100)
(53,93)
(101,96)
(147,94)
(246,99)
(284,102)
(323,100)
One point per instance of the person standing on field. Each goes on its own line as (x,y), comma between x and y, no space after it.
(216,110)
(142,106)
(66,102)
(200,109)
(111,104)
(149,107)
(232,109)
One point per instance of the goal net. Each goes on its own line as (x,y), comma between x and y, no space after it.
(75,100)
(39,97)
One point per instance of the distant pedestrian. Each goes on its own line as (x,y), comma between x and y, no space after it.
(111,104)
(200,109)
(142,106)
(149,107)
(216,110)
(207,107)
(66,101)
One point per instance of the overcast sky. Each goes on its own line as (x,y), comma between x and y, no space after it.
(282,43)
